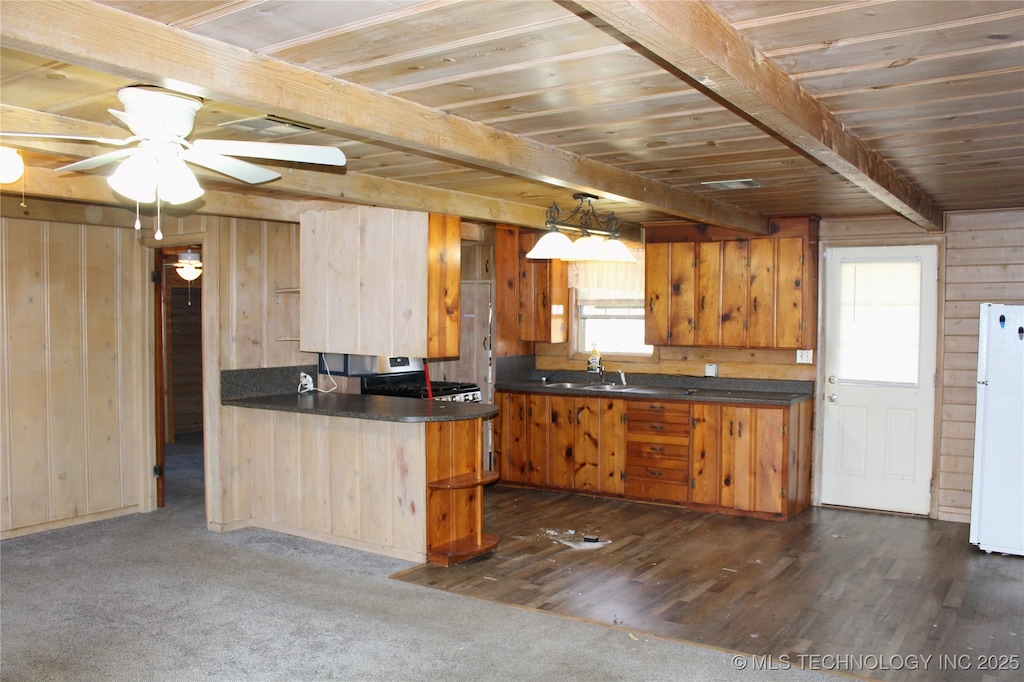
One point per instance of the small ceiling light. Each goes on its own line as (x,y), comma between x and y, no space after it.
(591,225)
(189,266)
(12,167)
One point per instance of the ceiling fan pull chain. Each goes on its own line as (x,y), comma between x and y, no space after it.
(158,235)
(138,225)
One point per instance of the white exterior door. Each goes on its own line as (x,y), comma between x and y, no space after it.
(879,391)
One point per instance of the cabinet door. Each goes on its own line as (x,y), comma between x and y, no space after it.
(510,437)
(790,326)
(444,282)
(733,284)
(737,466)
(704,458)
(538,425)
(612,445)
(770,448)
(709,293)
(505,340)
(543,294)
(657,275)
(761,307)
(561,441)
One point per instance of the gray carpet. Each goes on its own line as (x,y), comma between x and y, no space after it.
(158,597)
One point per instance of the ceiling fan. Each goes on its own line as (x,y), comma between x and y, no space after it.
(154,170)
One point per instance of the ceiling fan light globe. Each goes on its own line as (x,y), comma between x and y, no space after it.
(12,167)
(189,272)
(178,185)
(554,244)
(136,178)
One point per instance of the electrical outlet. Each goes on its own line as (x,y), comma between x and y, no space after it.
(805,357)
(711,370)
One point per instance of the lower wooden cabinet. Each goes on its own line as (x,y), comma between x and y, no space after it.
(658,450)
(558,441)
(743,459)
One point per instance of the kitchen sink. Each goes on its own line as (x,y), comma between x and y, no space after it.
(577,385)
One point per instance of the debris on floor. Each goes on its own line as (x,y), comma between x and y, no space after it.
(571,538)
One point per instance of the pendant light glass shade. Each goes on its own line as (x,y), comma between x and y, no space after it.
(615,251)
(554,244)
(587,247)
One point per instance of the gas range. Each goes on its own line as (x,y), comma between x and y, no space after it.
(414,385)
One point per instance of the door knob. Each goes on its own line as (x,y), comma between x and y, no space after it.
(832,397)
(832,379)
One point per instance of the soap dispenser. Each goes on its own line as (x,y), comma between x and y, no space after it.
(594,364)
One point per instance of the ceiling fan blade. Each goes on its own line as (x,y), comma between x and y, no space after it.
(97,161)
(225,165)
(77,138)
(280,151)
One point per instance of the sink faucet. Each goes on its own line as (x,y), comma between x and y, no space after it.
(622,376)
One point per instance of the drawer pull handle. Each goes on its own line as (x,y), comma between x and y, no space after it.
(656,448)
(657,427)
(652,472)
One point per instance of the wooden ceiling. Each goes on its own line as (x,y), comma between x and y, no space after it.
(493,109)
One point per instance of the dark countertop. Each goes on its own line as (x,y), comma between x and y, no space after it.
(743,396)
(375,407)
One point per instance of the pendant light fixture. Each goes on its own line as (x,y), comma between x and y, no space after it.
(12,167)
(600,235)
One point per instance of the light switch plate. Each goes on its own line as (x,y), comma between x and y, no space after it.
(805,357)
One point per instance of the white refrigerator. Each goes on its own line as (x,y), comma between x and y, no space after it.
(997,505)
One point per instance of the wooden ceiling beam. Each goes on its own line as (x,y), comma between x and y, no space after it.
(102,38)
(356,188)
(696,40)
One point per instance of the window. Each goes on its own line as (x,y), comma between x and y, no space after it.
(610,306)
(879,321)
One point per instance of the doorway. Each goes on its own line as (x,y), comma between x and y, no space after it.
(180,382)
(880,313)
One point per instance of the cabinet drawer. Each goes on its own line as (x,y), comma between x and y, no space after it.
(648,489)
(641,429)
(656,471)
(669,452)
(672,410)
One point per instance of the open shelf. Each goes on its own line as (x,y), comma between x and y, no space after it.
(462,549)
(470,480)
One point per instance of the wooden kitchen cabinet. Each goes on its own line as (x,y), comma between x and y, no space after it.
(531,296)
(455,482)
(559,441)
(709,286)
(743,459)
(379,281)
(751,459)
(657,450)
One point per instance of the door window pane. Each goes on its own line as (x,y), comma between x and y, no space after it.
(880,321)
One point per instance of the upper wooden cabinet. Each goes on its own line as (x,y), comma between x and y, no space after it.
(531,296)
(706,286)
(378,281)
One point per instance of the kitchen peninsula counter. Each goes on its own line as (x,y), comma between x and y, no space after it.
(395,476)
(374,407)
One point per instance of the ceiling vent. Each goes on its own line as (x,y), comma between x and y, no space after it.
(270,126)
(747,183)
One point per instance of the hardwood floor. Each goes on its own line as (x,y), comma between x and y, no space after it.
(872,595)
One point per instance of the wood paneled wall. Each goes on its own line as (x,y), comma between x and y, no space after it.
(981,258)
(984,263)
(252,317)
(76,403)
